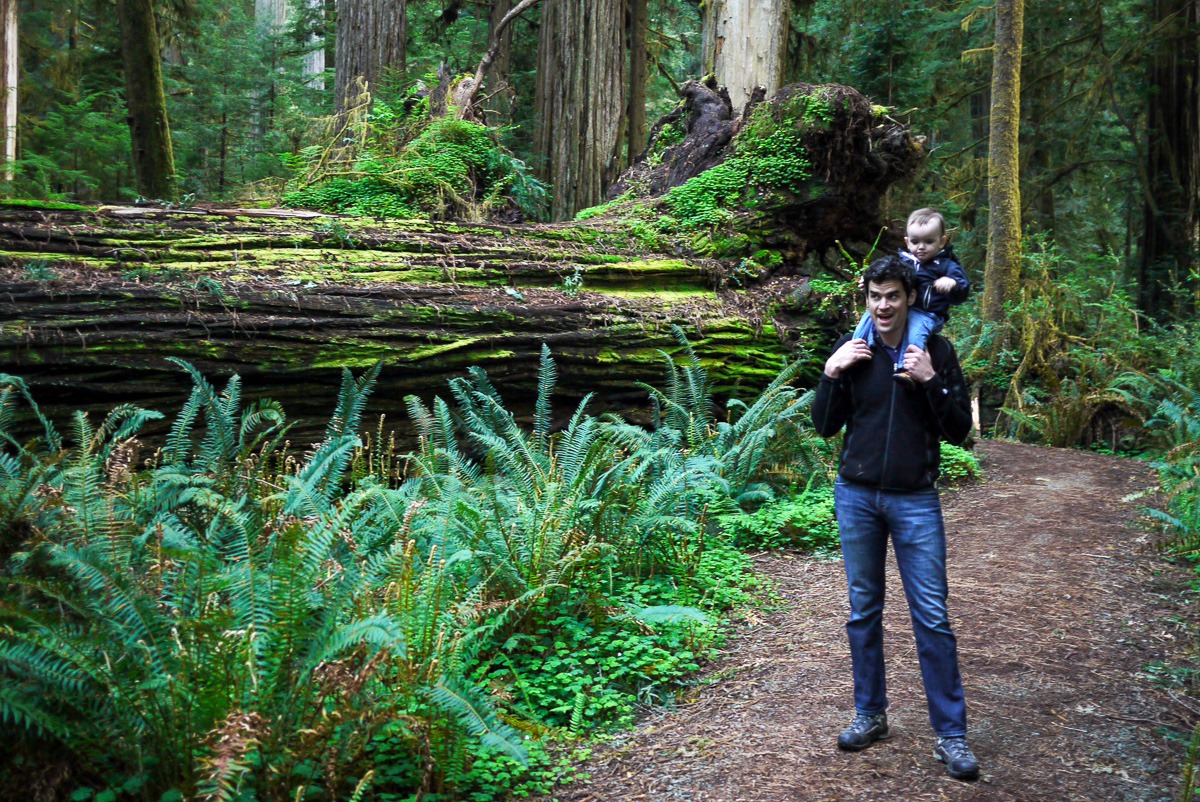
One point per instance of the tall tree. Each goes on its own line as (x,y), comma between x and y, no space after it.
(639,73)
(8,84)
(150,131)
(370,46)
(1172,216)
(314,58)
(745,45)
(1002,271)
(580,98)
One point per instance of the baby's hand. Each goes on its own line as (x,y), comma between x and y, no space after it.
(944,285)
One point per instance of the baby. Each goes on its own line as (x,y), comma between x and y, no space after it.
(941,282)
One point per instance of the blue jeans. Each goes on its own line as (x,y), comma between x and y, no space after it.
(914,520)
(920,325)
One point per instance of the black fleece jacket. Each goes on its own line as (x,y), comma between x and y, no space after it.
(892,433)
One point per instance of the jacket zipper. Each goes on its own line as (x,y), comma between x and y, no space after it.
(887,443)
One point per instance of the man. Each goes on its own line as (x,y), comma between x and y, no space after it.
(887,486)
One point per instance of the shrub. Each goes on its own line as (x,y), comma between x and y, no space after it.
(803,521)
(405,165)
(267,627)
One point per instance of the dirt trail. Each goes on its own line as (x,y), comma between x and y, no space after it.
(1058,610)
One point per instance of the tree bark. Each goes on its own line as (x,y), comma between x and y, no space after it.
(745,45)
(314,59)
(639,73)
(581,90)
(8,85)
(1002,271)
(370,46)
(270,18)
(1171,213)
(150,131)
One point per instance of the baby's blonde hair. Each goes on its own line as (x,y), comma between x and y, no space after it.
(922,216)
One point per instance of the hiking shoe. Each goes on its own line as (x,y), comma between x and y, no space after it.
(863,731)
(904,379)
(957,756)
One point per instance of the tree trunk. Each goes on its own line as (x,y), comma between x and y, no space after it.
(370,45)
(639,73)
(1002,272)
(745,45)
(314,59)
(8,85)
(1172,219)
(150,132)
(581,99)
(270,18)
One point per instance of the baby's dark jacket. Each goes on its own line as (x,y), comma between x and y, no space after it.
(944,264)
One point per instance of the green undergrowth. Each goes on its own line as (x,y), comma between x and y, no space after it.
(402,164)
(349,622)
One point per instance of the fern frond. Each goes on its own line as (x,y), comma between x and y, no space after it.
(469,707)
(352,399)
(53,439)
(547,377)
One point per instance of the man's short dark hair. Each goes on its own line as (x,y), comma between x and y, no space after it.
(887,268)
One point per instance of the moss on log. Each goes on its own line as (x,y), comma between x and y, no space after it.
(92,303)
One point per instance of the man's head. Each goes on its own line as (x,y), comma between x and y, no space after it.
(891,288)
(926,234)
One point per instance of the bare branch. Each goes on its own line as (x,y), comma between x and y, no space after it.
(485,64)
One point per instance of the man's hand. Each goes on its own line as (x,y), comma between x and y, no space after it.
(918,364)
(852,351)
(944,285)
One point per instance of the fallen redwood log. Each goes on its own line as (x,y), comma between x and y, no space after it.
(93,301)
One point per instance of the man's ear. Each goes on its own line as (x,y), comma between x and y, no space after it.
(912,298)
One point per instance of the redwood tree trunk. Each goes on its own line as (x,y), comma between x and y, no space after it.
(150,132)
(314,59)
(8,84)
(1003,269)
(745,45)
(370,45)
(1172,220)
(639,28)
(581,91)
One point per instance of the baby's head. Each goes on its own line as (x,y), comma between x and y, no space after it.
(926,234)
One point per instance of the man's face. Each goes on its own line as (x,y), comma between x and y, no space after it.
(887,303)
(924,240)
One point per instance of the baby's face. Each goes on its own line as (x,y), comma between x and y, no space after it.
(925,240)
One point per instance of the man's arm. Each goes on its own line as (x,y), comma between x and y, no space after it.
(831,405)
(940,376)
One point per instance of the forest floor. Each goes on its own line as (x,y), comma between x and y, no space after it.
(1075,642)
